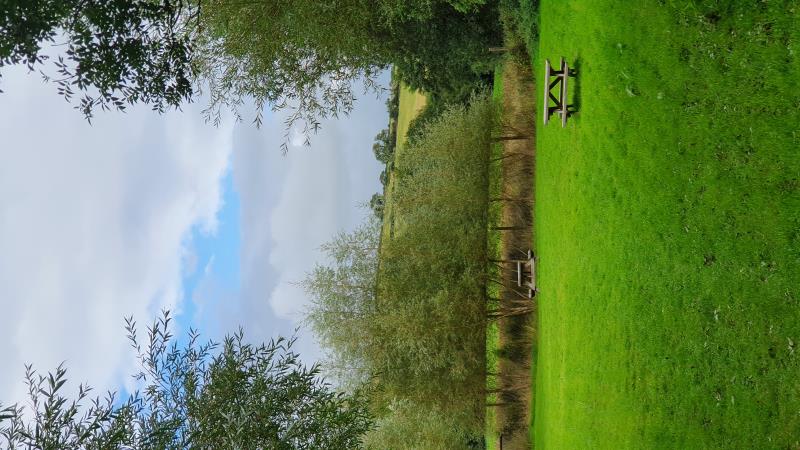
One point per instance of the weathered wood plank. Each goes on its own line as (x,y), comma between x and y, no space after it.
(564,99)
(546,91)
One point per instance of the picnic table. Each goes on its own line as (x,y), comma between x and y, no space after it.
(560,98)
(526,273)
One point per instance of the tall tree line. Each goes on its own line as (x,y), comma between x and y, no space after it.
(408,319)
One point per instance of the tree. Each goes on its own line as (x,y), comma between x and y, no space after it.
(398,10)
(343,305)
(116,52)
(233,395)
(393,101)
(376,203)
(383,148)
(406,425)
(304,56)
(447,52)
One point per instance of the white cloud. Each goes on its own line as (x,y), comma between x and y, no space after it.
(292,204)
(94,223)
(93,227)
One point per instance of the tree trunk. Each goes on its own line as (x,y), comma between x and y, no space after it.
(515,137)
(509,199)
(510,312)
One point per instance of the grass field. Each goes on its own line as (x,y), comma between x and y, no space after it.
(410,104)
(668,227)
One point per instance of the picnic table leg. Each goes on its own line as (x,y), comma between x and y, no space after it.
(531,262)
(564,94)
(546,90)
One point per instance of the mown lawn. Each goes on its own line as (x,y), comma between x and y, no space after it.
(410,104)
(668,227)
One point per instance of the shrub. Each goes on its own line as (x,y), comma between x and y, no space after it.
(413,323)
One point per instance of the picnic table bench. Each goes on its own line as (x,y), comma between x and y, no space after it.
(560,79)
(527,267)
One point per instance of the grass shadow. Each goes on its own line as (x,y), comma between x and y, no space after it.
(576,94)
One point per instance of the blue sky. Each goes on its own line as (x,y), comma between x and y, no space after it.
(214,254)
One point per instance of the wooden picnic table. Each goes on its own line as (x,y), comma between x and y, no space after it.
(527,266)
(560,99)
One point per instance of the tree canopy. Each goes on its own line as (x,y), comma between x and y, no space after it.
(214,395)
(304,56)
(343,298)
(111,53)
(383,148)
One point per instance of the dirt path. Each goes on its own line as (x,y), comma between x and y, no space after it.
(517,332)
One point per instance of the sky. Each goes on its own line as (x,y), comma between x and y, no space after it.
(140,212)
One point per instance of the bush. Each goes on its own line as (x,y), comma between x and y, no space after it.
(376,204)
(407,426)
(448,53)
(437,104)
(521,22)
(433,109)
(412,324)
(431,288)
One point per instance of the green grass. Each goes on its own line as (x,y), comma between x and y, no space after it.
(668,228)
(411,103)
